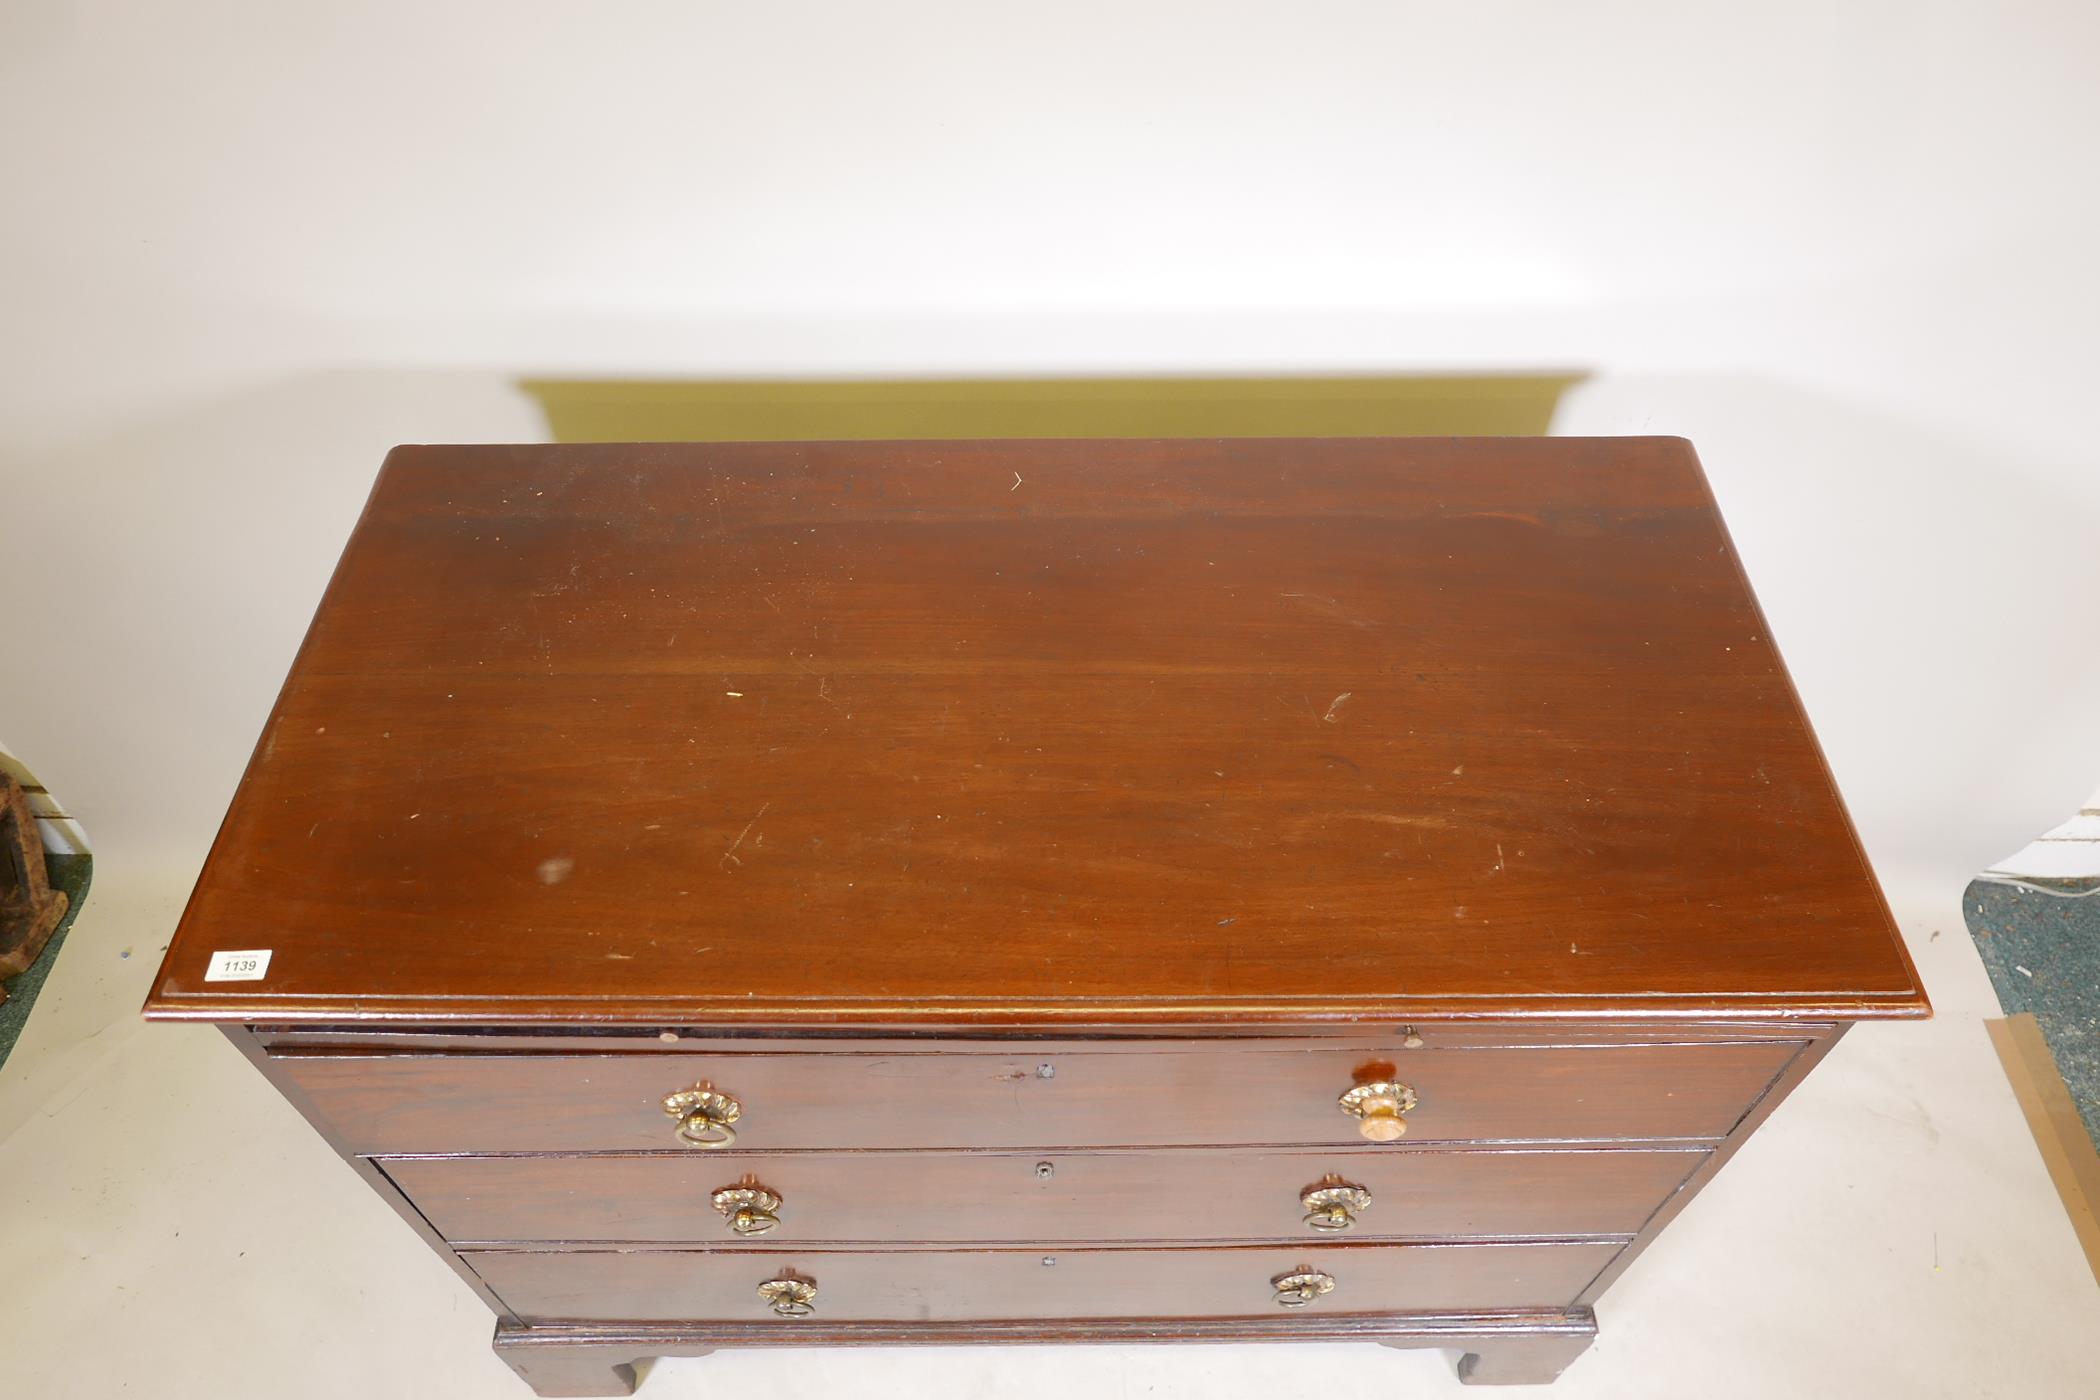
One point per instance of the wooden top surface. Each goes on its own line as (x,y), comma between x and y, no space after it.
(1021,733)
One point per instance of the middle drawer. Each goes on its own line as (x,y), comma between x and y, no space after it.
(1035,1196)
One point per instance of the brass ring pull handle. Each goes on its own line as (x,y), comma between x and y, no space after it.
(1333,1204)
(750,1210)
(1380,1108)
(704,1116)
(789,1296)
(1298,1289)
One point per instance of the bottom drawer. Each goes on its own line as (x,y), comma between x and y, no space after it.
(977,1285)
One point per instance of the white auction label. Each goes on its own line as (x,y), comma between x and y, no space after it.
(248,966)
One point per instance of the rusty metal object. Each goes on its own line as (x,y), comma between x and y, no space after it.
(29,908)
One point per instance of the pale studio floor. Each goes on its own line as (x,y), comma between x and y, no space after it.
(173,1229)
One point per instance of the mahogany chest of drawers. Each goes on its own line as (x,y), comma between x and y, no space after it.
(828,893)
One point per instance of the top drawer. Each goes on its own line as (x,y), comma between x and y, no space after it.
(1160,1094)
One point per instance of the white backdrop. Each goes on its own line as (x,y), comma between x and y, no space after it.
(1847,249)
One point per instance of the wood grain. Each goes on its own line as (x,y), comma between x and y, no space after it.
(1038,733)
(1019,1197)
(1371,1042)
(1183,1095)
(680,1286)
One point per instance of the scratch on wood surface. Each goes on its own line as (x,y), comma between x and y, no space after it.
(1334,711)
(1391,819)
(730,859)
(1498,858)
(1329,607)
(1017,482)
